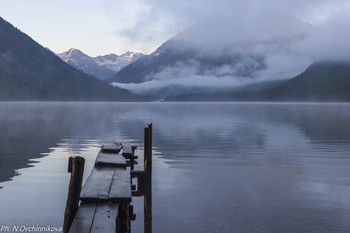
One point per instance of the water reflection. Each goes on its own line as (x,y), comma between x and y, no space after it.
(29,130)
(222,167)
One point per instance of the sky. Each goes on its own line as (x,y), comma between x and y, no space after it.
(116,26)
(95,26)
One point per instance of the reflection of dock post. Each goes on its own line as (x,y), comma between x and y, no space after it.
(148,180)
(76,168)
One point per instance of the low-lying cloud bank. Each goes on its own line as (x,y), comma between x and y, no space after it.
(287,35)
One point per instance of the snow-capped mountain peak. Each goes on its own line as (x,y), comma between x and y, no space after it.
(115,62)
(73,54)
(131,55)
(101,67)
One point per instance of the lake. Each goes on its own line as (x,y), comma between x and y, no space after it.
(218,167)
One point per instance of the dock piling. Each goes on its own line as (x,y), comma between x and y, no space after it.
(147,200)
(76,168)
(148,154)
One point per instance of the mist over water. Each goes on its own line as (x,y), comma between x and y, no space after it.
(219,167)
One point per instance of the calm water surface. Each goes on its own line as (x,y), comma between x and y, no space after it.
(218,167)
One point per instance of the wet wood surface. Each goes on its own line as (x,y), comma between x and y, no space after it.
(96,218)
(111,148)
(107,192)
(110,159)
(107,184)
(127,150)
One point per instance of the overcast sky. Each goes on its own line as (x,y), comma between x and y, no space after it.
(105,26)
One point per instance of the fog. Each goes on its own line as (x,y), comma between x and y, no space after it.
(287,35)
(256,19)
(242,158)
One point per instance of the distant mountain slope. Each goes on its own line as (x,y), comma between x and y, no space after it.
(251,92)
(83,62)
(101,67)
(115,62)
(178,54)
(28,71)
(204,59)
(321,81)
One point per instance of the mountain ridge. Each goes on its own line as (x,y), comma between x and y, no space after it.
(28,71)
(102,67)
(325,80)
(191,61)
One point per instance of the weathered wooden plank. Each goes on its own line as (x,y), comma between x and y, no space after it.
(105,218)
(107,184)
(127,150)
(83,219)
(97,185)
(95,218)
(76,180)
(113,160)
(111,148)
(121,185)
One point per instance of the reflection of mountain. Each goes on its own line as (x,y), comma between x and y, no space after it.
(29,129)
(21,139)
(321,123)
(197,125)
(181,131)
(256,155)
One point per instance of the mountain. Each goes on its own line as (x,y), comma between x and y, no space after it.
(101,67)
(83,62)
(28,71)
(178,53)
(115,62)
(203,60)
(251,92)
(321,81)
(178,68)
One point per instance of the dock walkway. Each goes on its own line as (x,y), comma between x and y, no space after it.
(105,199)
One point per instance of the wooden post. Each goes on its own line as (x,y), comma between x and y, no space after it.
(124,215)
(148,154)
(147,208)
(77,170)
(147,200)
(145,155)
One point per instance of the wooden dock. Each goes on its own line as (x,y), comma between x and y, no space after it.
(104,203)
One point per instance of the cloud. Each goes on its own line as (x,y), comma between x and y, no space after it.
(287,35)
(328,40)
(152,21)
(147,24)
(190,77)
